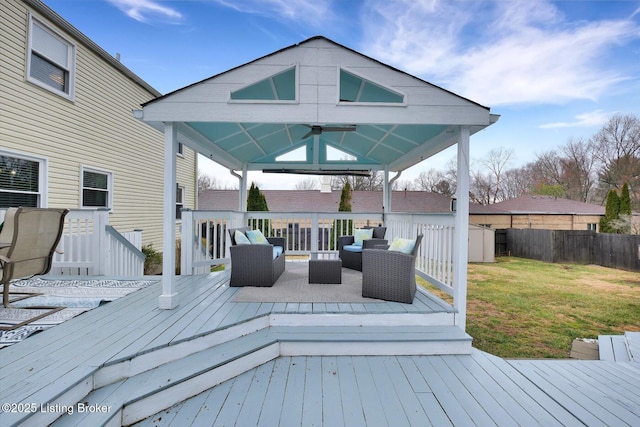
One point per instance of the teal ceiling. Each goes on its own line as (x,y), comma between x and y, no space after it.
(368,145)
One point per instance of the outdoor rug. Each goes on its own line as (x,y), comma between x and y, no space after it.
(294,286)
(78,296)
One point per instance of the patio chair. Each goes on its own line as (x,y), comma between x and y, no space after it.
(351,255)
(256,264)
(390,275)
(28,241)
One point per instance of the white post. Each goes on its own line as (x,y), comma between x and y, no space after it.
(186,251)
(102,262)
(461,233)
(168,298)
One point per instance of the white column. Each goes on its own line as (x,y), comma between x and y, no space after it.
(168,297)
(461,234)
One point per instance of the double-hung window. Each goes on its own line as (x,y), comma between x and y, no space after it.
(179,201)
(22,181)
(51,60)
(97,188)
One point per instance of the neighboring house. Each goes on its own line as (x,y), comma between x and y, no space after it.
(68,136)
(544,212)
(328,201)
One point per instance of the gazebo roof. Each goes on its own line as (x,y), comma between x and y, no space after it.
(316,107)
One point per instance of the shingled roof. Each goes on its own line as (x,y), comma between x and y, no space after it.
(533,204)
(361,201)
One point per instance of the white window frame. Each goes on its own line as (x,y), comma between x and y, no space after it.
(180,203)
(109,190)
(69,67)
(42,174)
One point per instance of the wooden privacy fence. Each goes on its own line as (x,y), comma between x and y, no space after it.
(581,247)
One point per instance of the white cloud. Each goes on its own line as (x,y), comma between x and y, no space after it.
(146,10)
(592,118)
(498,52)
(314,13)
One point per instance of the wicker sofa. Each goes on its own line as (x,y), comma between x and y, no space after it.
(255,265)
(353,260)
(390,275)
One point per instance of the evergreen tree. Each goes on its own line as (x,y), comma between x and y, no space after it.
(611,213)
(342,227)
(257,202)
(624,222)
(345,198)
(625,200)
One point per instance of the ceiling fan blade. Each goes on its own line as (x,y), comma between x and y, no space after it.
(338,128)
(313,130)
(317,129)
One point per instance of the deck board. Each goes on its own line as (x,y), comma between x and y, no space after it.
(445,390)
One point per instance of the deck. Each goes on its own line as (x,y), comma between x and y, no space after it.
(222,360)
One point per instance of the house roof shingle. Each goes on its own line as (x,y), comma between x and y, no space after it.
(535,204)
(361,201)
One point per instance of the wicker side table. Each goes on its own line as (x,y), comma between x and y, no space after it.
(325,271)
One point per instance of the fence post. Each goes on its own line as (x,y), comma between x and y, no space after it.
(315,232)
(102,261)
(186,251)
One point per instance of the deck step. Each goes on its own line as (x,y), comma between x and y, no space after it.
(614,348)
(134,398)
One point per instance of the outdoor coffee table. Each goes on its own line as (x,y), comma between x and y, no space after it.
(323,270)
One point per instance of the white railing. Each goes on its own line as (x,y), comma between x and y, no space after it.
(434,261)
(89,246)
(206,242)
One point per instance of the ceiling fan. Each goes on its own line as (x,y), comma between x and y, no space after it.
(317,129)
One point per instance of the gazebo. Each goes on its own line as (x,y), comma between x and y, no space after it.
(320,108)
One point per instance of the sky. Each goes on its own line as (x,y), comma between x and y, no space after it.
(554,71)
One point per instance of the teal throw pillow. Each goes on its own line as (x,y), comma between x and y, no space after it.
(240,238)
(362,234)
(402,245)
(256,237)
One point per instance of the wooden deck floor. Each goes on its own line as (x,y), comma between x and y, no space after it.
(265,354)
(62,362)
(453,390)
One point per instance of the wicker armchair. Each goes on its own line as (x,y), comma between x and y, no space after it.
(254,265)
(389,275)
(353,260)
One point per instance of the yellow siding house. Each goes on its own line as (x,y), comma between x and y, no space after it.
(68,136)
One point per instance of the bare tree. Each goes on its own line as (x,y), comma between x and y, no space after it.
(308,184)
(372,182)
(578,170)
(617,151)
(205,182)
(496,163)
(517,182)
(481,188)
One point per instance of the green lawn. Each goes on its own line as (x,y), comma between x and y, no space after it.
(520,308)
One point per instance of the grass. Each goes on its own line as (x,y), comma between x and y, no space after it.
(521,308)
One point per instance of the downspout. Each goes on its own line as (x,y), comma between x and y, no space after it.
(242,194)
(386,188)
